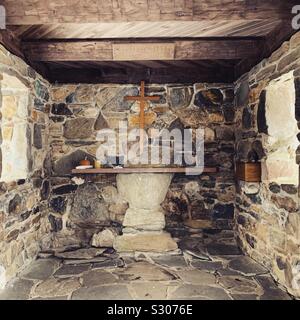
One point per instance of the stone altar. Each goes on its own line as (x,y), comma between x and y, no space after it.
(144,219)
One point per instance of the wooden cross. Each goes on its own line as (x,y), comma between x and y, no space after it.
(142,100)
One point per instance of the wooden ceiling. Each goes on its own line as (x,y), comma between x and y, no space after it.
(157,41)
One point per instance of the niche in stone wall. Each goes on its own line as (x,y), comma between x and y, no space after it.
(278,125)
(14,101)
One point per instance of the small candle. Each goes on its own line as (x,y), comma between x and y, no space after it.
(97,164)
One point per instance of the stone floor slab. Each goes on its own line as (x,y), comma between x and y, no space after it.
(245,297)
(84,253)
(211,266)
(40,269)
(19,289)
(208,292)
(220,249)
(171,261)
(275,294)
(240,284)
(198,253)
(111,263)
(149,290)
(197,277)
(113,292)
(98,277)
(267,282)
(144,271)
(56,287)
(66,271)
(52,298)
(246,266)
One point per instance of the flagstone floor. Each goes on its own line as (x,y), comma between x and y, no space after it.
(209,268)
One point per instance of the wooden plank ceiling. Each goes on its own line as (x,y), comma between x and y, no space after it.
(158,41)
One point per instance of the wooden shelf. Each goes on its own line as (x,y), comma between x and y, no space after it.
(143,170)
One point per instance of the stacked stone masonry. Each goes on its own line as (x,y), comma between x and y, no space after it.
(25,187)
(79,111)
(267,213)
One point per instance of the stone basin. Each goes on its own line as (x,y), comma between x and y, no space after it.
(144,220)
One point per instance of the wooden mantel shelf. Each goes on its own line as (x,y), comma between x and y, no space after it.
(144,170)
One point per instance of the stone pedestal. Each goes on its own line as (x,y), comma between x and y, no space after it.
(144,220)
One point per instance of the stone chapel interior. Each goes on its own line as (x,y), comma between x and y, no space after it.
(69,69)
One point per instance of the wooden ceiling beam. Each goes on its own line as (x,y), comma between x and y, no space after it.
(11,43)
(32,12)
(135,76)
(137,51)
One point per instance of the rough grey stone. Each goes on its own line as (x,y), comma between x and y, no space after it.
(246,266)
(19,289)
(14,204)
(45,190)
(98,277)
(65,165)
(239,284)
(261,114)
(112,99)
(267,282)
(245,297)
(51,298)
(101,123)
(40,269)
(188,290)
(79,128)
(247,118)
(84,253)
(144,271)
(56,287)
(180,97)
(275,295)
(37,136)
(242,94)
(114,292)
(211,266)
(61,109)
(58,204)
(111,263)
(55,222)
(85,261)
(71,270)
(171,261)
(88,207)
(150,290)
(197,277)
(197,253)
(223,249)
(41,90)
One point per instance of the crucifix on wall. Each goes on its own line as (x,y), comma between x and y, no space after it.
(142,99)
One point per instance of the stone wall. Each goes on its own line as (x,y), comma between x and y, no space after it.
(267,213)
(81,206)
(24,189)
